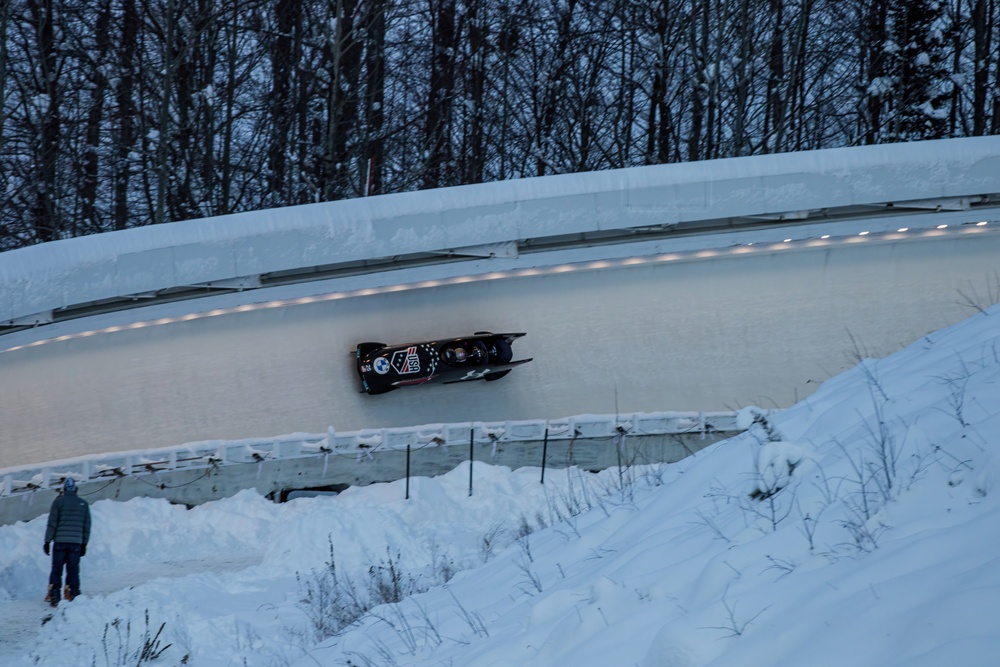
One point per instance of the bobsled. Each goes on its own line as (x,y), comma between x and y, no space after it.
(482,356)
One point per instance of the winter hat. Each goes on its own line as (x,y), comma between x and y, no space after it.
(69,484)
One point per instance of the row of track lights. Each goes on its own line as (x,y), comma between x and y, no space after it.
(590,265)
(981,223)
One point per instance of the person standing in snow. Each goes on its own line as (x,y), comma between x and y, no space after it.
(69,528)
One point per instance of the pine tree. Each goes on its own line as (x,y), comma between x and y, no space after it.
(918,65)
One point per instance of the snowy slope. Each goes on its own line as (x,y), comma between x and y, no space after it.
(861,527)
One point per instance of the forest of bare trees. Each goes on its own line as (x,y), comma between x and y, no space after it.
(121,113)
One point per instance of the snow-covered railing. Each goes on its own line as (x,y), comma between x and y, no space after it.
(242,251)
(357,445)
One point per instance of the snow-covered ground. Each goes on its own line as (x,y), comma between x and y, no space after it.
(859,527)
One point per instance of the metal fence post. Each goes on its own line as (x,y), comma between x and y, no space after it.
(545,450)
(618,452)
(472,439)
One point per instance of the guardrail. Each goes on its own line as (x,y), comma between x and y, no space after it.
(202,471)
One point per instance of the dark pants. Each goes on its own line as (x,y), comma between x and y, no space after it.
(68,554)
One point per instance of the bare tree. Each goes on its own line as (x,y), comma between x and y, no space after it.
(741,75)
(626,125)
(90,219)
(117,113)
(124,121)
(874,84)
(169,60)
(285,50)
(983,26)
(550,79)
(437,132)
(46,219)
(662,133)
(475,48)
(791,87)
(4,20)
(501,93)
(592,97)
(374,146)
(698,34)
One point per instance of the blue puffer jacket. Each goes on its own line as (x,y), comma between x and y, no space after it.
(69,519)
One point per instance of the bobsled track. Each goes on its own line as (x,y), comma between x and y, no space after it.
(751,311)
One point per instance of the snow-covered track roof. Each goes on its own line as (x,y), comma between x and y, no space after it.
(71,277)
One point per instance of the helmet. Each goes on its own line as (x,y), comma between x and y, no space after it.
(460,354)
(69,484)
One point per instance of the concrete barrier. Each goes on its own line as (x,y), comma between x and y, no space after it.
(201,472)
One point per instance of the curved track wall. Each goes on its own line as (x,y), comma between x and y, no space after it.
(247,250)
(696,334)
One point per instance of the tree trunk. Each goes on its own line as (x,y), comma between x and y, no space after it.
(740,110)
(873,84)
(375,102)
(232,58)
(474,157)
(553,84)
(698,44)
(164,133)
(288,15)
(982,36)
(125,112)
(4,18)
(45,210)
(95,120)
(343,64)
(776,76)
(437,145)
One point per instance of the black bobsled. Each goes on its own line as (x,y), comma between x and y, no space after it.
(482,356)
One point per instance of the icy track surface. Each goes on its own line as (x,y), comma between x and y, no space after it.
(860,527)
(716,334)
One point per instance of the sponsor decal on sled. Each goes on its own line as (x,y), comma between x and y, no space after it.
(381,365)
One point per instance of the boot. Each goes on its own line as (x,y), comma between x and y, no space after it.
(52,597)
(67,595)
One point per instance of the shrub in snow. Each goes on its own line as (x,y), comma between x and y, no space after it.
(121,648)
(775,462)
(329,602)
(333,601)
(387,582)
